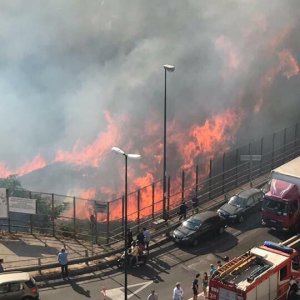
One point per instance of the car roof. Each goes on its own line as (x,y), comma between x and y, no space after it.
(14,276)
(205,215)
(248,193)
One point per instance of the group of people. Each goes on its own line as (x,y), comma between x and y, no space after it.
(198,282)
(137,247)
(183,208)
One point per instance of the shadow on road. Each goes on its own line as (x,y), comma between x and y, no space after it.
(80,290)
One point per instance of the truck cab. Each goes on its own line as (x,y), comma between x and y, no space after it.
(281,206)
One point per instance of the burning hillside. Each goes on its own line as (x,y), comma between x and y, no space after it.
(237,67)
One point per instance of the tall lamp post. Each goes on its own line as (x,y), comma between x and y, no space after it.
(126,156)
(168,68)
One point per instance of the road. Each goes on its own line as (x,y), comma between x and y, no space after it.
(170,265)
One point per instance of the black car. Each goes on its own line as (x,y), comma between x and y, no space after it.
(198,226)
(241,205)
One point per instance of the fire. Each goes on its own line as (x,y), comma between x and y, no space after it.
(37,163)
(92,154)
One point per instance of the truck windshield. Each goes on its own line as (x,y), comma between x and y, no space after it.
(276,206)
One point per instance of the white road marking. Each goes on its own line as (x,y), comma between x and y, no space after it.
(118,293)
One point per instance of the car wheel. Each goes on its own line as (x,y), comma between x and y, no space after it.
(221,230)
(195,242)
(240,219)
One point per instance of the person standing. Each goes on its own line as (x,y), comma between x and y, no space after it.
(140,237)
(152,296)
(219,264)
(177,292)
(182,211)
(129,238)
(1,266)
(212,270)
(195,287)
(63,261)
(205,284)
(147,237)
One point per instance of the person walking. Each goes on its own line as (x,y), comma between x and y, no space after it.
(177,292)
(140,237)
(195,287)
(1,266)
(205,284)
(219,264)
(147,237)
(152,296)
(63,261)
(212,270)
(182,211)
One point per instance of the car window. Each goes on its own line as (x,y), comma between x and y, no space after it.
(208,224)
(4,288)
(257,197)
(30,283)
(237,201)
(250,201)
(192,223)
(15,286)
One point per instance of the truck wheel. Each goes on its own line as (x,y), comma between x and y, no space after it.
(240,219)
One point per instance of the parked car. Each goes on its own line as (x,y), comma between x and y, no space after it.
(18,286)
(241,205)
(199,226)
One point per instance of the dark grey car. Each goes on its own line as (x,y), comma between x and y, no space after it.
(198,227)
(241,205)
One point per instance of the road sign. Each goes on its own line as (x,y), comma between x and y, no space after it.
(252,157)
(118,293)
(100,206)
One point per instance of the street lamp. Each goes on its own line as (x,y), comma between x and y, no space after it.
(133,156)
(168,68)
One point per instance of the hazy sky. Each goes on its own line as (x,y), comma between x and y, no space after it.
(64,62)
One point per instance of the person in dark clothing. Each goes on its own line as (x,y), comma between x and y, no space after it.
(129,238)
(195,204)
(195,287)
(140,237)
(182,211)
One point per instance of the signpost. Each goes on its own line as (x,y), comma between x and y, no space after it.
(22,205)
(3,204)
(100,207)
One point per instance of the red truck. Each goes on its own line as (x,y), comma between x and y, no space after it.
(281,204)
(268,272)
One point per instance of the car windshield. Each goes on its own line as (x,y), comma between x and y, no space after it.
(276,206)
(237,201)
(192,224)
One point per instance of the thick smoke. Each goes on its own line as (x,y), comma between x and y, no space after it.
(64,63)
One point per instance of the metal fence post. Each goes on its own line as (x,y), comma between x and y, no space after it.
(210,183)
(223,173)
(284,145)
(107,223)
(74,217)
(8,216)
(295,141)
(168,190)
(236,167)
(182,185)
(123,214)
(273,150)
(249,164)
(53,215)
(197,180)
(153,196)
(30,217)
(261,154)
(138,208)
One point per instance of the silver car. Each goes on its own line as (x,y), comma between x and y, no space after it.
(18,286)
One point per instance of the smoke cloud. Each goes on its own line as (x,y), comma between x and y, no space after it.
(65,64)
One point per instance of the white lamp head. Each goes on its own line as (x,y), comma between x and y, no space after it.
(169,68)
(118,150)
(134,156)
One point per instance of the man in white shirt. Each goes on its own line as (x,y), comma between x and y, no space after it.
(177,292)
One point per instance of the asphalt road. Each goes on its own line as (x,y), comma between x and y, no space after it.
(170,264)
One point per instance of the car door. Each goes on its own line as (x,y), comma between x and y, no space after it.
(250,205)
(258,201)
(11,291)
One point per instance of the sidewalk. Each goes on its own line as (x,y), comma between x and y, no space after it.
(33,252)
